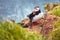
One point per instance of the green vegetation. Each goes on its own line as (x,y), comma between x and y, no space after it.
(56,11)
(57,24)
(9,31)
(13,31)
(55,34)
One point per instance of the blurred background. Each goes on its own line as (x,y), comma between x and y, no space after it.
(19,9)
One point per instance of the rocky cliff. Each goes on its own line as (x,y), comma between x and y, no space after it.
(50,22)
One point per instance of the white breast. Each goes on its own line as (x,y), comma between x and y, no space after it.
(37,17)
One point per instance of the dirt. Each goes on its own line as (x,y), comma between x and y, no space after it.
(45,25)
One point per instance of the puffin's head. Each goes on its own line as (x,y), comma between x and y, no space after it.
(36,7)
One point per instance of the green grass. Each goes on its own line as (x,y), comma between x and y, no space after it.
(57,24)
(55,34)
(56,11)
(14,31)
